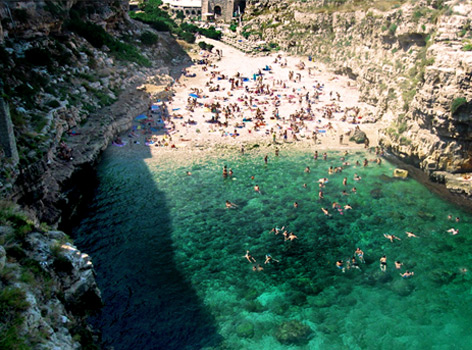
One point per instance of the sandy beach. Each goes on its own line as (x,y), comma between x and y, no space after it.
(327,102)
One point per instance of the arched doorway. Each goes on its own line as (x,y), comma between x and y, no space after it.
(217,11)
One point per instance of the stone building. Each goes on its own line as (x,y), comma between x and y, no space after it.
(224,10)
(190,8)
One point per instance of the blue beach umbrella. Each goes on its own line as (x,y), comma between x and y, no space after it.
(193,95)
(140,117)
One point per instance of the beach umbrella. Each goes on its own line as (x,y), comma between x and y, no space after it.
(141,117)
(193,95)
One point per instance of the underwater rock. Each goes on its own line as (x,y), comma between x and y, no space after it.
(384,178)
(254,306)
(382,277)
(293,333)
(245,330)
(297,298)
(376,193)
(441,276)
(402,287)
(425,215)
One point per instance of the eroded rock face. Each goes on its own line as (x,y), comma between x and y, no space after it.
(411,61)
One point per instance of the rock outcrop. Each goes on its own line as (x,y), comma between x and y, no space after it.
(70,71)
(412,60)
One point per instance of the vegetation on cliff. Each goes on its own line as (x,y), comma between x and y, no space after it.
(410,58)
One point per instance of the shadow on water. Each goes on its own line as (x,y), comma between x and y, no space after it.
(149,304)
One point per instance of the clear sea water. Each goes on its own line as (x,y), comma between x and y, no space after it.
(169,256)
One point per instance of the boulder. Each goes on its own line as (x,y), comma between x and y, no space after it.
(245,330)
(400,173)
(293,333)
(358,137)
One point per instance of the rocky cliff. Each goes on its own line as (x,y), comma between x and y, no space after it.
(412,59)
(69,72)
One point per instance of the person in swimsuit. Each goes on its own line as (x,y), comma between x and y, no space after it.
(295,204)
(225,171)
(391,237)
(230,205)
(383,263)
(269,259)
(410,234)
(453,231)
(398,265)
(290,237)
(325,211)
(354,263)
(257,189)
(249,257)
(360,254)
(339,265)
(257,268)
(307,169)
(407,274)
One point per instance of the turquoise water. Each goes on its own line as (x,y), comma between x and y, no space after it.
(169,256)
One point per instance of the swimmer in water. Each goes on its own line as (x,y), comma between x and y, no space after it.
(257,189)
(307,169)
(339,265)
(295,204)
(345,181)
(407,274)
(410,234)
(383,263)
(257,268)
(225,171)
(453,231)
(325,211)
(320,195)
(290,237)
(391,237)
(230,172)
(354,263)
(249,257)
(276,230)
(189,173)
(360,254)
(304,185)
(266,159)
(230,205)
(347,207)
(269,259)
(398,265)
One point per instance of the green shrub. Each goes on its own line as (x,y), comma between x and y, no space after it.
(393,27)
(180,14)
(211,33)
(148,38)
(233,27)
(467,47)
(97,36)
(204,46)
(457,103)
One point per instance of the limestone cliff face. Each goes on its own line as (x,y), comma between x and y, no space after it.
(69,71)
(31,18)
(412,60)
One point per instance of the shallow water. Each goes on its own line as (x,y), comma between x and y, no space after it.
(169,257)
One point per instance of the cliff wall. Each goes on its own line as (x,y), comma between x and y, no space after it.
(412,59)
(70,72)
